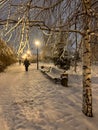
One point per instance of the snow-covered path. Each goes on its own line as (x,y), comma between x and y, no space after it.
(30,101)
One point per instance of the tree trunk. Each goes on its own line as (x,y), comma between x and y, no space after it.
(87,90)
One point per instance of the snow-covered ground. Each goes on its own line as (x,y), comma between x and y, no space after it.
(30,101)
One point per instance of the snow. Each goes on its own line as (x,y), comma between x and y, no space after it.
(30,101)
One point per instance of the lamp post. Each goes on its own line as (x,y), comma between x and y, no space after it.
(37,44)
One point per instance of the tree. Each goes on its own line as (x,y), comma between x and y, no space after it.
(87,91)
(7,55)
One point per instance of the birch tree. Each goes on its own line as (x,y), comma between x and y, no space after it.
(87,90)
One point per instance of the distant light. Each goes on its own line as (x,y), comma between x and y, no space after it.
(28,52)
(37,43)
(24,56)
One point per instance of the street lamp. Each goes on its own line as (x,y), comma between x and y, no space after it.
(37,44)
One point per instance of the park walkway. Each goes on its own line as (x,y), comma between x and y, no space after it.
(30,101)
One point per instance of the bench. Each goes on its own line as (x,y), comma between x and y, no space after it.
(54,74)
(64,79)
(57,75)
(45,69)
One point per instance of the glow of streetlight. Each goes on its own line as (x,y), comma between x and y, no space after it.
(28,52)
(24,56)
(37,43)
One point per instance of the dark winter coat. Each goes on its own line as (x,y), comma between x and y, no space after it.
(26,62)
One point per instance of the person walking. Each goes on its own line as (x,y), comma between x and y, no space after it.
(19,61)
(26,64)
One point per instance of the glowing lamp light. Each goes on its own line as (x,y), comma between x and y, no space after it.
(37,43)
(28,52)
(24,56)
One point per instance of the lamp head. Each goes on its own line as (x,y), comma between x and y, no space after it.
(37,43)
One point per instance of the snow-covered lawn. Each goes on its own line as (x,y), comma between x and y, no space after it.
(30,101)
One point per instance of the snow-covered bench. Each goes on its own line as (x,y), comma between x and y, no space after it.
(52,72)
(56,74)
(45,69)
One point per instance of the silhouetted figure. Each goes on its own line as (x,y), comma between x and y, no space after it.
(19,61)
(26,64)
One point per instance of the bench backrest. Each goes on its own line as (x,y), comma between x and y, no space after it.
(54,70)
